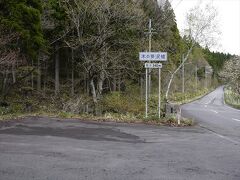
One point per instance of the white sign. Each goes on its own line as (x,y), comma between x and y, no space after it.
(153,56)
(153,65)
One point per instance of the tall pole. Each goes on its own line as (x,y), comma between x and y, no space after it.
(150,35)
(148,71)
(149,49)
(148,75)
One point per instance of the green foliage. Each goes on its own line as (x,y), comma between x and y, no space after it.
(188,96)
(13,108)
(216,59)
(56,16)
(24,17)
(25,73)
(97,42)
(4,110)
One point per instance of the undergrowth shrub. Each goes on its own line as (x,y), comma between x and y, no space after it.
(181,97)
(76,105)
(118,102)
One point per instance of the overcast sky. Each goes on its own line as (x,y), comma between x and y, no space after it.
(229,21)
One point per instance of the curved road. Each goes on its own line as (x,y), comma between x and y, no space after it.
(42,148)
(213,114)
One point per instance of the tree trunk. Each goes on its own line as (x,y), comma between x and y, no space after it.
(238,88)
(94,95)
(183,77)
(179,67)
(72,55)
(119,81)
(39,75)
(57,71)
(32,78)
(96,91)
(93,91)
(5,80)
(114,81)
(169,85)
(44,78)
(14,74)
(99,92)
(100,85)
(86,90)
(196,77)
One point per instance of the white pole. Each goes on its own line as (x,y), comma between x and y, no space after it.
(183,76)
(146,95)
(159,93)
(150,49)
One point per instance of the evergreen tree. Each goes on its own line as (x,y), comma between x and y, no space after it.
(23,16)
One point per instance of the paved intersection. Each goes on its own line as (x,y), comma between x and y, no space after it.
(40,148)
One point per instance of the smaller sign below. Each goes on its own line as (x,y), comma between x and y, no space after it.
(153,65)
(153,56)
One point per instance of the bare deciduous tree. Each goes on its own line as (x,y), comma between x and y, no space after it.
(98,27)
(201,29)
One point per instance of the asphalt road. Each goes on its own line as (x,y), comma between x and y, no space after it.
(213,114)
(53,149)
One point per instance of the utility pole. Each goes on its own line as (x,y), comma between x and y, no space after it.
(149,50)
(150,34)
(148,71)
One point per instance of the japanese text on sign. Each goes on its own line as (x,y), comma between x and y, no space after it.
(153,65)
(153,56)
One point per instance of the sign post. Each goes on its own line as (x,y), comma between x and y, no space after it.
(150,57)
(146,95)
(153,56)
(159,93)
